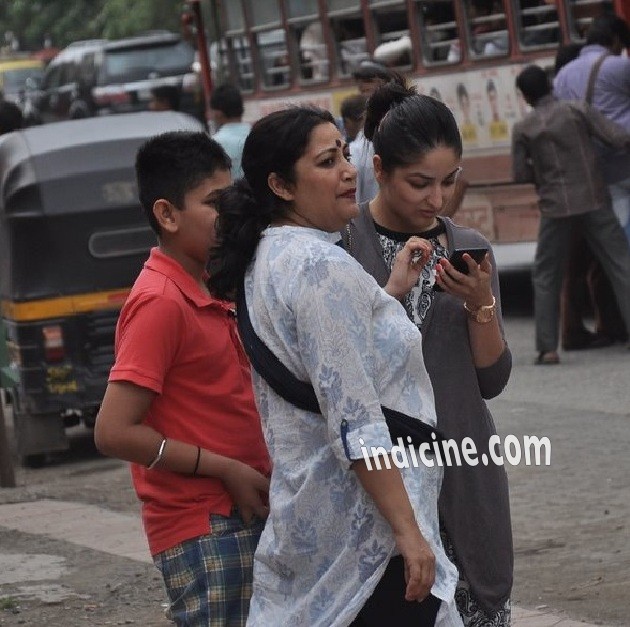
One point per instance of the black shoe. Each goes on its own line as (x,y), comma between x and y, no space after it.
(585,340)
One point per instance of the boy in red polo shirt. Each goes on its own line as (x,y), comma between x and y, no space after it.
(179,404)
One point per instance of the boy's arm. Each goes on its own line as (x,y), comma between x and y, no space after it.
(522,169)
(600,127)
(120,432)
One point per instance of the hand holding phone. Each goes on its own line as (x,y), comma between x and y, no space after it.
(456,259)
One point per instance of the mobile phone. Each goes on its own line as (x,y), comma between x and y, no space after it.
(457,257)
(457,261)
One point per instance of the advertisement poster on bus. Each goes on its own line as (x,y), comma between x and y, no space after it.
(485,103)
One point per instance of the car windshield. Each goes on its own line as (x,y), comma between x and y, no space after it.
(14,80)
(131,64)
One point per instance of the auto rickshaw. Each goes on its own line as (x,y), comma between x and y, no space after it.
(73,238)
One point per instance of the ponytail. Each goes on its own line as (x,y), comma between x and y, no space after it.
(238,227)
(403,125)
(249,206)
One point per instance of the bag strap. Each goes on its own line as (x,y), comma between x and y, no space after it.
(281,380)
(590,89)
(301,394)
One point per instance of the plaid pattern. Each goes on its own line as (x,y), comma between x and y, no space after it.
(209,579)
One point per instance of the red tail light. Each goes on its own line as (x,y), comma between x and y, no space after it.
(54,349)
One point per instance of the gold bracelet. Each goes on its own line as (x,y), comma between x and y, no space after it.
(158,457)
(484,313)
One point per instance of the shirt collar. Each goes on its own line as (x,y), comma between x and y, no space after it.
(167,266)
(306,231)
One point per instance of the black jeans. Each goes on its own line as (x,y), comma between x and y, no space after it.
(387,605)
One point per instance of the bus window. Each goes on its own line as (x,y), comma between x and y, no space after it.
(305,28)
(581,14)
(537,23)
(270,42)
(392,34)
(234,55)
(487,28)
(439,36)
(347,25)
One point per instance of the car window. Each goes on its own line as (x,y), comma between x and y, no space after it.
(138,63)
(14,80)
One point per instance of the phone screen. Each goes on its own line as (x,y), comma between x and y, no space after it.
(457,257)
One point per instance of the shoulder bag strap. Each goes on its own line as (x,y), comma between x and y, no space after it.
(590,90)
(281,380)
(301,394)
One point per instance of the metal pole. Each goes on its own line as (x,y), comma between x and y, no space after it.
(7,476)
(204,59)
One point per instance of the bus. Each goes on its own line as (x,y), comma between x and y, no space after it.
(466,53)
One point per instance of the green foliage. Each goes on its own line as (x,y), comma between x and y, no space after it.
(8,603)
(65,21)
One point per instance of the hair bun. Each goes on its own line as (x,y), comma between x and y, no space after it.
(382,100)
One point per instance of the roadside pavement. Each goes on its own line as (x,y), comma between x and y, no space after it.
(72,550)
(121,535)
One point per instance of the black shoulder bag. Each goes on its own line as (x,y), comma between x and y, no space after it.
(302,395)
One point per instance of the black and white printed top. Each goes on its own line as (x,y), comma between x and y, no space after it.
(419,299)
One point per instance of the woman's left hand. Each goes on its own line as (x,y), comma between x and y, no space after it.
(473,288)
(408,266)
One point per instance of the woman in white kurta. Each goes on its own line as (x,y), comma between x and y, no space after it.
(334,525)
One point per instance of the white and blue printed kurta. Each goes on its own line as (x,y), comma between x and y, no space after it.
(325,545)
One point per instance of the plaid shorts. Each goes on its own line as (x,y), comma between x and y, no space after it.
(209,579)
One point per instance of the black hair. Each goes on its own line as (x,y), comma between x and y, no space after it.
(169,165)
(274,145)
(565,55)
(169,93)
(372,69)
(11,118)
(533,83)
(490,86)
(461,91)
(605,28)
(228,100)
(353,107)
(403,125)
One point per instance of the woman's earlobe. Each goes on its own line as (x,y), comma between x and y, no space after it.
(279,187)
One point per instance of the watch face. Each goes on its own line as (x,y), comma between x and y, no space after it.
(484,315)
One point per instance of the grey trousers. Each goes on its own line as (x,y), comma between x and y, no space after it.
(608,243)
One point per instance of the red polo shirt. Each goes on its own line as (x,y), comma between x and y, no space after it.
(182,344)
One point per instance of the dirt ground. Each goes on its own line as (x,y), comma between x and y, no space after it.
(94,588)
(571,520)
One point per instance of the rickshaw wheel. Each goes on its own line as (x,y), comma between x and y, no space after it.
(37,460)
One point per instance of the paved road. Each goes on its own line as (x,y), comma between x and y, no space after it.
(571,519)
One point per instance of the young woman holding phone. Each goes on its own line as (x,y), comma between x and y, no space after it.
(418,149)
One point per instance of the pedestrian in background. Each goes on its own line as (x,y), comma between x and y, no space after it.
(179,404)
(352,112)
(165,98)
(11,118)
(369,76)
(552,147)
(226,110)
(601,77)
(343,544)
(418,150)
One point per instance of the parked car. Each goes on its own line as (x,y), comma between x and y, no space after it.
(101,77)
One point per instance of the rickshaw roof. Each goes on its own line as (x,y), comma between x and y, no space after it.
(80,165)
